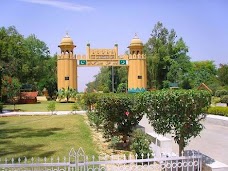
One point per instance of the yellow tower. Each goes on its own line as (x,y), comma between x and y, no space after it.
(137,73)
(67,65)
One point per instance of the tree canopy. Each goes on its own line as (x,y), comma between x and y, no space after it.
(168,63)
(166,57)
(26,59)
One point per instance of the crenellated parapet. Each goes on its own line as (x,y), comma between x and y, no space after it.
(137,56)
(81,57)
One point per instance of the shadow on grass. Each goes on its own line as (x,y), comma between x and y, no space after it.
(3,122)
(27,132)
(9,147)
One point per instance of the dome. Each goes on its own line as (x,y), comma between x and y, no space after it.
(67,40)
(136,41)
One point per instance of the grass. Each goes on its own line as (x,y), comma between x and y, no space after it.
(39,107)
(44,136)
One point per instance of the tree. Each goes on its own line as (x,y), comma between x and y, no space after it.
(26,59)
(38,64)
(203,72)
(122,88)
(49,79)
(12,89)
(12,51)
(178,112)
(103,80)
(223,74)
(166,57)
(66,94)
(51,107)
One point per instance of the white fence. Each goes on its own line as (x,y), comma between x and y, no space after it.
(78,161)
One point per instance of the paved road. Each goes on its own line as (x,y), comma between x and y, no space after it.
(213,141)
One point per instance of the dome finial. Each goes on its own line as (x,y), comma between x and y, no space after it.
(67,34)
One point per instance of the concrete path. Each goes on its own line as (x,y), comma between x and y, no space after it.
(213,140)
(6,113)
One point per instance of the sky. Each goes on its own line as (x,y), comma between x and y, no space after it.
(203,25)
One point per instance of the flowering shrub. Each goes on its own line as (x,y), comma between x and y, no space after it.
(121,113)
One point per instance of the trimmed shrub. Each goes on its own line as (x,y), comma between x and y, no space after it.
(140,144)
(121,112)
(177,112)
(220,93)
(223,111)
(224,99)
(90,99)
(215,100)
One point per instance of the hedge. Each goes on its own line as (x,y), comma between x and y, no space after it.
(224,99)
(220,93)
(223,111)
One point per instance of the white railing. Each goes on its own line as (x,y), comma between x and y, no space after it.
(78,161)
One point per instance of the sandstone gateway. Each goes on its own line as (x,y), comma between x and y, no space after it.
(68,62)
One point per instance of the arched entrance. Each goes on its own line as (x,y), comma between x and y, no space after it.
(67,63)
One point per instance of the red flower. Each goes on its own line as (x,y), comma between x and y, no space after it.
(127,113)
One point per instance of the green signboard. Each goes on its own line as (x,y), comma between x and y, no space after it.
(82,62)
(123,62)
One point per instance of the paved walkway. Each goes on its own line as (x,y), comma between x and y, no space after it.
(213,140)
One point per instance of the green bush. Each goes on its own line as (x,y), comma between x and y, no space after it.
(1,107)
(215,100)
(140,144)
(115,140)
(220,93)
(224,99)
(177,112)
(51,107)
(90,100)
(75,107)
(121,112)
(223,111)
(95,119)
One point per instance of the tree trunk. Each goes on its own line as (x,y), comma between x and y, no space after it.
(181,146)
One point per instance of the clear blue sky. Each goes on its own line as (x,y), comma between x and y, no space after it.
(203,24)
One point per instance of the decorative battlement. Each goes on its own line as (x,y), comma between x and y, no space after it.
(81,57)
(138,56)
(66,55)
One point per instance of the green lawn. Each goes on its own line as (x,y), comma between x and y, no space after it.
(40,107)
(53,135)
